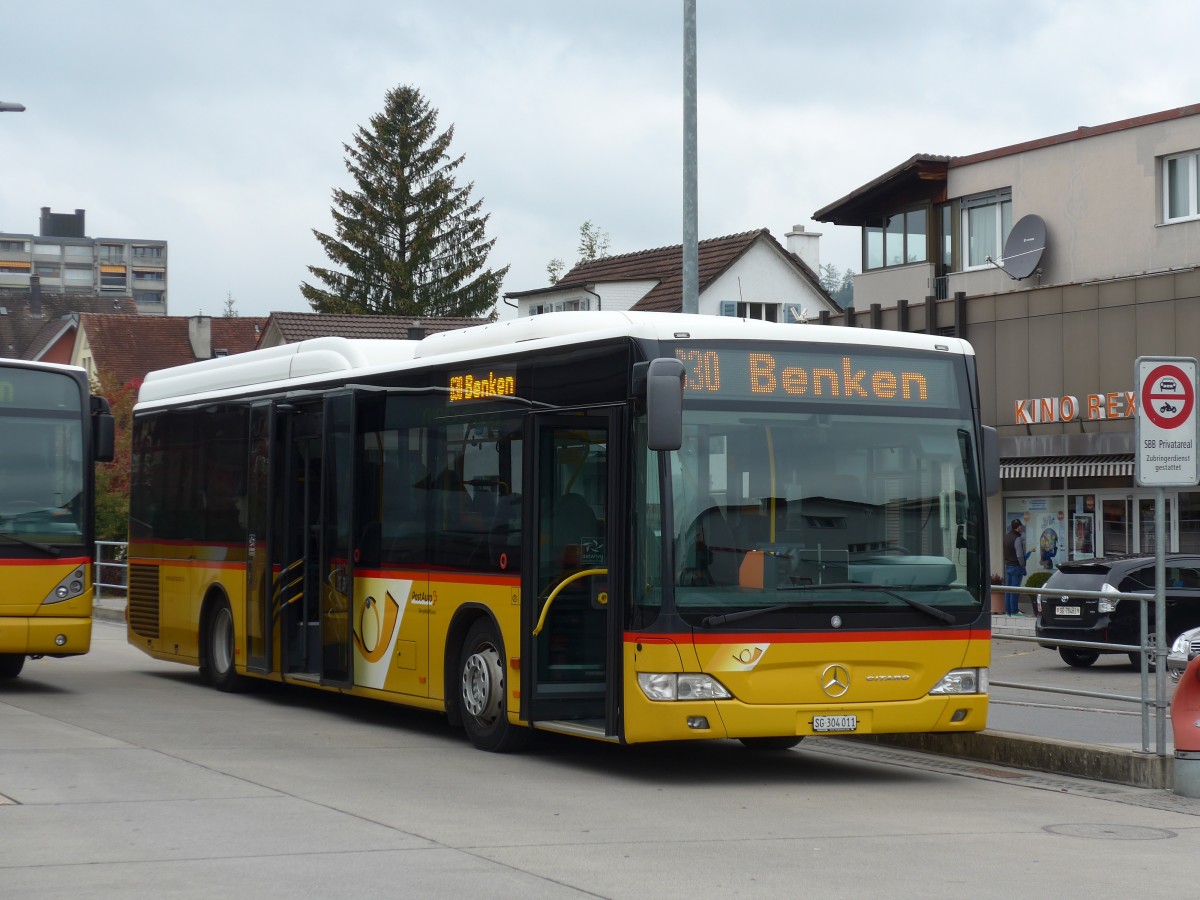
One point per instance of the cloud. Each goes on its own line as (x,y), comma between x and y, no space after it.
(219,126)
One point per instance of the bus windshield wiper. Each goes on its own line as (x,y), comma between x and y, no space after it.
(931,611)
(45,548)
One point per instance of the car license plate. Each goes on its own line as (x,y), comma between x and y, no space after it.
(1068,611)
(835,723)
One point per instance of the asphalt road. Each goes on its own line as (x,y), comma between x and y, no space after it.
(127,778)
(1087,720)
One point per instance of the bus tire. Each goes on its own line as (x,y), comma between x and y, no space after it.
(483,692)
(219,647)
(770,744)
(11,664)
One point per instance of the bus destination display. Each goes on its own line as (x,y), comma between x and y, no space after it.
(818,376)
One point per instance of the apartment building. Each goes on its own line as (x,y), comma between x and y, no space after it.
(64,260)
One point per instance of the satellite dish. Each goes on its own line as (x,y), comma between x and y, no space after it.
(1024,247)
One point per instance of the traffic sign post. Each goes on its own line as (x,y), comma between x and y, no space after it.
(1165,429)
(1165,435)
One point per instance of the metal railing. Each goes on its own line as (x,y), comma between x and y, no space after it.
(1147,648)
(111,568)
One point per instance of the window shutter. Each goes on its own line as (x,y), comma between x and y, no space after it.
(729,308)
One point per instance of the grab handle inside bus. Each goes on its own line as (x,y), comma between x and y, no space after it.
(664,404)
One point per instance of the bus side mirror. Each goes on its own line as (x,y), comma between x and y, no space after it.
(103,431)
(991,461)
(664,404)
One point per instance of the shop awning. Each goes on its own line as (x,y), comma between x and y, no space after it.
(1068,466)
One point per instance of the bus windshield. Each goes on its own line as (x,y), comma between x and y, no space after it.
(781,514)
(41,459)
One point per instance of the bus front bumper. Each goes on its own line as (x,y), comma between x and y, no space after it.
(46,636)
(646,720)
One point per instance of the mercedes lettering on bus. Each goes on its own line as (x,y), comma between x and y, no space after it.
(51,432)
(629,527)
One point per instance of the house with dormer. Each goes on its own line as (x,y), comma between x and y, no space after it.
(749,275)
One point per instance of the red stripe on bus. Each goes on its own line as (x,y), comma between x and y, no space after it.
(824,637)
(59,561)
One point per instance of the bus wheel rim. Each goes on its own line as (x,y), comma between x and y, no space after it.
(481,684)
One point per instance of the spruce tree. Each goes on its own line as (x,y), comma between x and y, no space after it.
(408,240)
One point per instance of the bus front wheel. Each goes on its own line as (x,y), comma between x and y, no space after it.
(11,664)
(222,674)
(483,692)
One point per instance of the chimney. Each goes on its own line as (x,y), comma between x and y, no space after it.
(416,332)
(806,245)
(200,336)
(35,296)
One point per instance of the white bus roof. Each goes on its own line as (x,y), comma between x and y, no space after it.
(293,366)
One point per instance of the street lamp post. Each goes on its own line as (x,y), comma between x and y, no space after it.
(11,107)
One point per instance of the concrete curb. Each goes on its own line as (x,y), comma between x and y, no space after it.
(1092,761)
(109,610)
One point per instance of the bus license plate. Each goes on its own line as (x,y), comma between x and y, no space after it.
(835,723)
(1069,611)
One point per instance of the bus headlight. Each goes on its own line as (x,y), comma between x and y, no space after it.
(686,686)
(963,681)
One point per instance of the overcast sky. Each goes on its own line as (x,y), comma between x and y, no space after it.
(219,126)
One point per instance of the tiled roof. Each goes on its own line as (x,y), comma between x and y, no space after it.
(299,326)
(665,265)
(128,347)
(20,332)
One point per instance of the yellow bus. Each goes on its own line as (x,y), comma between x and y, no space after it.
(51,431)
(625,526)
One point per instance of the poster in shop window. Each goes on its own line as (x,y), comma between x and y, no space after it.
(1082,535)
(1045,521)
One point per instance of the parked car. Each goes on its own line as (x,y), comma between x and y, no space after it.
(1183,651)
(1116,621)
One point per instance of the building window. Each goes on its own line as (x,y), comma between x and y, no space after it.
(153,298)
(1181,187)
(149,275)
(901,240)
(986,222)
(47,270)
(155,252)
(18,246)
(77,276)
(576,305)
(767,312)
(112,252)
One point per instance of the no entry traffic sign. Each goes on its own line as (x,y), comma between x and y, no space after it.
(1166,429)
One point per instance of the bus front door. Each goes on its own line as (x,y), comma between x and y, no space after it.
(568,623)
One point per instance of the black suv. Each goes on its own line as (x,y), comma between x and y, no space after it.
(1115,621)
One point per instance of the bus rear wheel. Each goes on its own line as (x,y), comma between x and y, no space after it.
(770,744)
(11,664)
(222,674)
(483,692)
